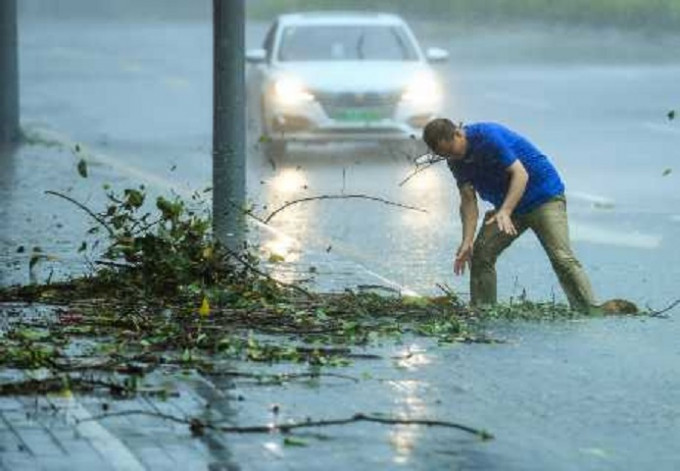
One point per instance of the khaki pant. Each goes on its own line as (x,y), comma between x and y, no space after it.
(549,223)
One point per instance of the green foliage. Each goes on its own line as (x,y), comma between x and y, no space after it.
(171,294)
(166,250)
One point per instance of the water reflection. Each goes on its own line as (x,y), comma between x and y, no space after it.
(413,357)
(283,250)
(282,247)
(410,403)
(427,190)
(289,181)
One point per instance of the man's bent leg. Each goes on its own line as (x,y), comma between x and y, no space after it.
(549,222)
(489,244)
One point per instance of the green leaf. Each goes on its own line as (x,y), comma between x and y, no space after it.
(82,168)
(667,172)
(134,198)
(83,247)
(671,115)
(293,441)
(33,335)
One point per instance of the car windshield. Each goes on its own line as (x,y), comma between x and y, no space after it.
(346,43)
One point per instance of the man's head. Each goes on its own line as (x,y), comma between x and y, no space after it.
(445,138)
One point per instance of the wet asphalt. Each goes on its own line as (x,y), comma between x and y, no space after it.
(592,394)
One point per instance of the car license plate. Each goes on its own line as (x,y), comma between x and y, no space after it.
(358,114)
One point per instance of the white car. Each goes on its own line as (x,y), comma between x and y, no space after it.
(323,77)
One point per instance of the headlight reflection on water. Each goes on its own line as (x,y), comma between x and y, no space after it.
(425,190)
(289,181)
(404,438)
(282,247)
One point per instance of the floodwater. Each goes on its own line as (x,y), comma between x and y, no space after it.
(579,395)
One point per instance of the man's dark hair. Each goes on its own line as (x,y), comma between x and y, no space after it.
(437,130)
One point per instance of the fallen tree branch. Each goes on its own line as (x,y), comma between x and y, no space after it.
(198,427)
(61,383)
(417,171)
(84,208)
(663,311)
(338,197)
(279,377)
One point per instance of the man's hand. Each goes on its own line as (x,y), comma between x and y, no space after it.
(463,257)
(504,221)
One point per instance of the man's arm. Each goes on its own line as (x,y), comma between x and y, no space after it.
(469,212)
(518,183)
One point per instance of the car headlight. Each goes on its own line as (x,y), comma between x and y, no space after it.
(424,89)
(291,91)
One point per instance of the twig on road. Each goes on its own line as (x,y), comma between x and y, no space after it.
(198,427)
(277,377)
(663,311)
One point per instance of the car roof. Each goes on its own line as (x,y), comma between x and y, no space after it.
(339,18)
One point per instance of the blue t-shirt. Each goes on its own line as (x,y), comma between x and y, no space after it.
(492,148)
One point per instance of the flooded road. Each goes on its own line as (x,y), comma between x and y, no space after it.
(595,394)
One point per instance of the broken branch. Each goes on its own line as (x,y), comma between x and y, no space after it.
(663,311)
(197,426)
(84,208)
(337,197)
(417,171)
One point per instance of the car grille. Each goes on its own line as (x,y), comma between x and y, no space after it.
(354,105)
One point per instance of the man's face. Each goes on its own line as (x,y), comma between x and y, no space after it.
(453,148)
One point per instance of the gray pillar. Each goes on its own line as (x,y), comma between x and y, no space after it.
(229,136)
(9,73)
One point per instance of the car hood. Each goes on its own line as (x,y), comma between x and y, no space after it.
(353,76)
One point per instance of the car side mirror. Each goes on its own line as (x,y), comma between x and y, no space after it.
(436,54)
(256,56)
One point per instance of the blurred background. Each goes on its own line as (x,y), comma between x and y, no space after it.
(589,82)
(592,83)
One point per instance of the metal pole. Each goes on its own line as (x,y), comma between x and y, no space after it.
(9,76)
(229,176)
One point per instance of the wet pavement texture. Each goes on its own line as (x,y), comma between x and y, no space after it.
(574,395)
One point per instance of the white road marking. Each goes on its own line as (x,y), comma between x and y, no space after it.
(600,235)
(669,129)
(596,200)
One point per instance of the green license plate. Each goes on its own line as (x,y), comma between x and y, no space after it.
(358,114)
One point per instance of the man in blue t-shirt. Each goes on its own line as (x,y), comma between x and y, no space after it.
(526,191)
